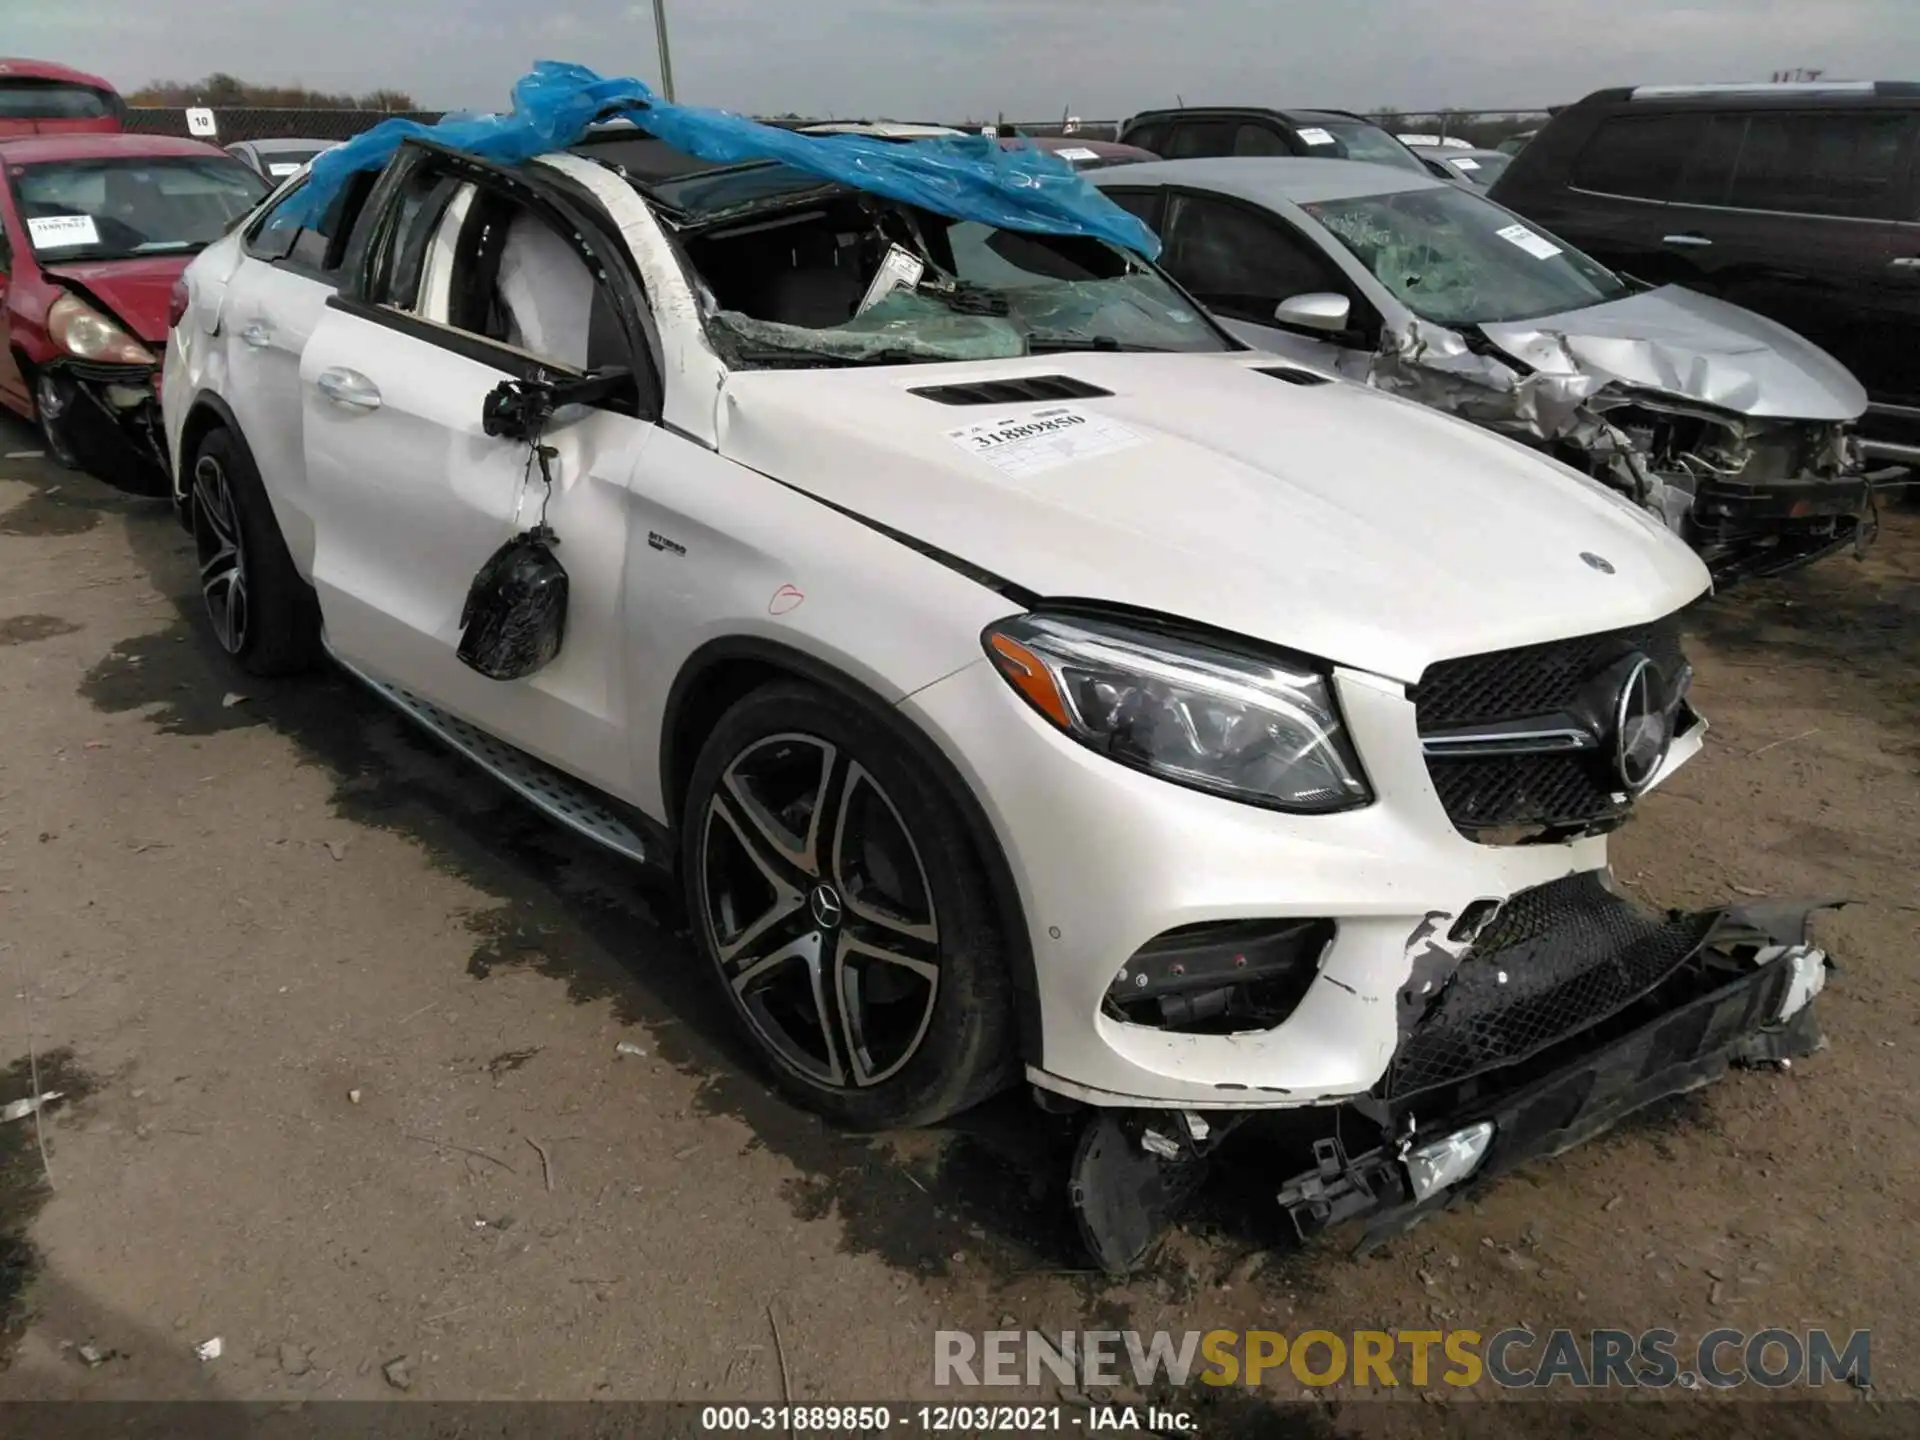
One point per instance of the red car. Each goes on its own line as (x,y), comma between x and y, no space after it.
(38,97)
(94,231)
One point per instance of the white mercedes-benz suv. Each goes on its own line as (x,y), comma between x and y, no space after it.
(1028,680)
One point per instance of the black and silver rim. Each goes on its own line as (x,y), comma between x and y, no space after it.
(51,405)
(817,906)
(223,560)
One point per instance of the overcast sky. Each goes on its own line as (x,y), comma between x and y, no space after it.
(1031,59)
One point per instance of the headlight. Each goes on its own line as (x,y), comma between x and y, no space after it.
(1251,728)
(81,330)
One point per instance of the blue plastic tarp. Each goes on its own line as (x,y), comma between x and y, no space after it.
(969,177)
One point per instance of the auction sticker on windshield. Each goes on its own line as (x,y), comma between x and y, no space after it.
(1537,246)
(1046,439)
(1314,135)
(49,232)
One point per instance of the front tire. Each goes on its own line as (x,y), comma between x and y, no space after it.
(262,612)
(838,896)
(52,400)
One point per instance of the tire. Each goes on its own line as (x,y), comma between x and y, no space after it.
(262,613)
(52,398)
(812,839)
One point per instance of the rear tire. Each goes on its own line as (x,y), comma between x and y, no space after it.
(837,894)
(262,612)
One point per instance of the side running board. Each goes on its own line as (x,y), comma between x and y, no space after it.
(550,791)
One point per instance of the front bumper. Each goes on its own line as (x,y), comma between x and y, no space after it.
(1105,859)
(1750,531)
(112,422)
(1743,995)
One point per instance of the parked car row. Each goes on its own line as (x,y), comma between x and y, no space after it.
(1799,201)
(1029,681)
(1731,428)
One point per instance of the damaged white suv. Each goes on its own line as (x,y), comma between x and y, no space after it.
(1028,680)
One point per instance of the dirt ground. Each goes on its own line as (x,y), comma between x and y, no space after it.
(339,1026)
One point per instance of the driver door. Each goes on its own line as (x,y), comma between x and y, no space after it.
(472,279)
(1241,263)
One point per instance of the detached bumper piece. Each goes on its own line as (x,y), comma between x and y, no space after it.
(110,419)
(1602,1011)
(1750,531)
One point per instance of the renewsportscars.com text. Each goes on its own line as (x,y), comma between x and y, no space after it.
(1512,1358)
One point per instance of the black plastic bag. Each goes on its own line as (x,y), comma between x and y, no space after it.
(515,618)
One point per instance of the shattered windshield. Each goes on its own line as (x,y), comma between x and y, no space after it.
(117,209)
(856,281)
(1454,258)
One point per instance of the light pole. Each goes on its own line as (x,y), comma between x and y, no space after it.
(660,42)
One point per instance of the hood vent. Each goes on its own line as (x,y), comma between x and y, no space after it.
(1012,391)
(1292,376)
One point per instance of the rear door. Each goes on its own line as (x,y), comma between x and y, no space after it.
(1898,420)
(411,496)
(1616,205)
(1808,231)
(273,304)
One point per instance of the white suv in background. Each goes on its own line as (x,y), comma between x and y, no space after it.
(1026,679)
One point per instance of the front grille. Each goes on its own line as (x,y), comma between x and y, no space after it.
(1557,959)
(1534,679)
(1549,791)
(1486,792)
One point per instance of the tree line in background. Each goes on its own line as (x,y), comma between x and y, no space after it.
(219,90)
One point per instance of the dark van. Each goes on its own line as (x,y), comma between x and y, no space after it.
(1799,201)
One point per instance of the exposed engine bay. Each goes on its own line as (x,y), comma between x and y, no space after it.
(1755,496)
(108,415)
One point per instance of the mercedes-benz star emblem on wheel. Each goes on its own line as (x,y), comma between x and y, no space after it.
(1642,728)
(826,907)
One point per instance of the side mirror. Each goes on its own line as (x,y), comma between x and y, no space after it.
(1322,310)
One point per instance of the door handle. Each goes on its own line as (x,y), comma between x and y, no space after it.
(349,388)
(257,336)
(1696,241)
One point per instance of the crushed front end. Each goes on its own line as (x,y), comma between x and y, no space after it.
(1531,1024)
(107,417)
(1754,497)
(1573,1009)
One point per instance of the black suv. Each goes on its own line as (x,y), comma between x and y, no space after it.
(1799,201)
(1206,131)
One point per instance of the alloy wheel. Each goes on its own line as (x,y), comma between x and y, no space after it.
(223,560)
(817,906)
